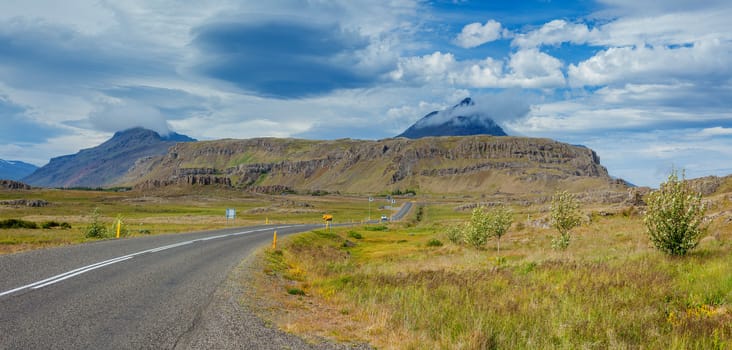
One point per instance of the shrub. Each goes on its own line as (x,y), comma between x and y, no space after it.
(295,291)
(434,242)
(565,216)
(376,228)
(420,213)
(18,223)
(50,224)
(675,216)
(477,232)
(65,226)
(95,228)
(456,233)
(354,234)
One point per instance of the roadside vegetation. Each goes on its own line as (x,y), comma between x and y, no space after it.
(80,215)
(395,288)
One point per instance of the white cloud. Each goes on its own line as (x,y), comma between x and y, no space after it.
(715,131)
(535,69)
(526,68)
(122,115)
(706,60)
(476,34)
(554,33)
(427,68)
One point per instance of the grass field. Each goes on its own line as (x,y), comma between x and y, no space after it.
(610,289)
(405,286)
(195,209)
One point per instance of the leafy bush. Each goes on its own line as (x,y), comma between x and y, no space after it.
(477,231)
(54,224)
(95,228)
(50,224)
(295,291)
(376,228)
(456,233)
(399,192)
(354,234)
(675,216)
(434,242)
(18,223)
(565,216)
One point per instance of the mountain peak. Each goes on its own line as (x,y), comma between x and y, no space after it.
(15,169)
(462,119)
(104,164)
(465,102)
(142,132)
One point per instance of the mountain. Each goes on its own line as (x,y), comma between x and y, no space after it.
(103,165)
(461,120)
(437,165)
(15,170)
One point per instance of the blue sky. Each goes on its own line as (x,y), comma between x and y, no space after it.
(648,85)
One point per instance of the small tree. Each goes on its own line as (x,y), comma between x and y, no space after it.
(95,228)
(499,221)
(478,230)
(675,216)
(565,216)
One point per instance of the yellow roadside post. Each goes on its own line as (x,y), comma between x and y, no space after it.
(328,220)
(274,241)
(266,221)
(119,226)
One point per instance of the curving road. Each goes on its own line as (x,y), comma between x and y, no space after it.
(141,293)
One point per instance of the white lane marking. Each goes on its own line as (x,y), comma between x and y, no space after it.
(80,272)
(75,272)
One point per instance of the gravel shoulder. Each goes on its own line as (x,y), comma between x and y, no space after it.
(228,323)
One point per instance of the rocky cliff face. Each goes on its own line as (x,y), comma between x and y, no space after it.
(105,164)
(437,165)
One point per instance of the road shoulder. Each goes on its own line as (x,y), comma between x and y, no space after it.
(230,320)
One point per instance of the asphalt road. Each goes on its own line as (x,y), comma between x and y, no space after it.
(403,210)
(141,293)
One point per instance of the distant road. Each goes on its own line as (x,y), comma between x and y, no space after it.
(406,207)
(119,294)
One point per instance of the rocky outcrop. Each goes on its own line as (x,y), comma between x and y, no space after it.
(706,185)
(435,164)
(13,185)
(35,203)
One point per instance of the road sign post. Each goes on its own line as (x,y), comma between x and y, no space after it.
(371,199)
(230,214)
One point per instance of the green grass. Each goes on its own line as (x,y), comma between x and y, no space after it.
(160,212)
(608,290)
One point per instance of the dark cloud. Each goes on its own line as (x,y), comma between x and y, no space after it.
(38,55)
(19,128)
(282,59)
(174,104)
